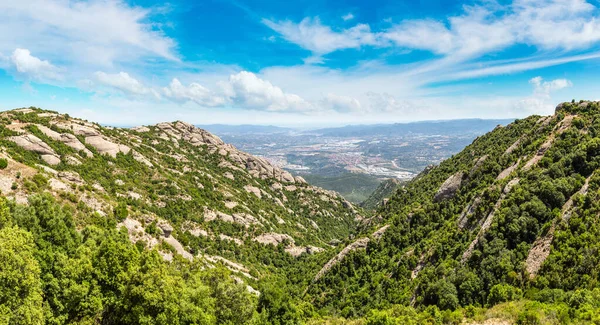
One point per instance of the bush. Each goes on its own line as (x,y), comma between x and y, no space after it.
(502,293)
(3,163)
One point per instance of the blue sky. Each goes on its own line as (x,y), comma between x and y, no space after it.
(297,63)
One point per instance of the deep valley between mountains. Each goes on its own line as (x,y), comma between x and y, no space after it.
(167,224)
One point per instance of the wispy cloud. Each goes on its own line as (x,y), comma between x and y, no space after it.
(348,16)
(310,34)
(123,82)
(91,33)
(561,26)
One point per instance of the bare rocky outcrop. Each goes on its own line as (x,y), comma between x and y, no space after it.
(449,187)
(274,239)
(540,250)
(77,128)
(513,146)
(104,146)
(66,138)
(253,190)
(255,166)
(558,129)
(141,129)
(71,177)
(488,221)
(505,173)
(32,143)
(478,163)
(140,158)
(361,243)
(468,211)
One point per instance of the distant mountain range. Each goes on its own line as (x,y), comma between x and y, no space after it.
(446,127)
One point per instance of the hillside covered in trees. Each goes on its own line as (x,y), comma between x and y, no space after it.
(513,217)
(167,224)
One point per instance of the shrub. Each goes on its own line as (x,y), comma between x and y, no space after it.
(502,293)
(3,163)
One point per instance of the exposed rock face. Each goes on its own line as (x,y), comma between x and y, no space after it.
(449,187)
(71,177)
(106,147)
(273,239)
(66,138)
(140,129)
(505,173)
(540,250)
(253,190)
(559,129)
(488,221)
(256,166)
(32,143)
(361,243)
(139,157)
(78,129)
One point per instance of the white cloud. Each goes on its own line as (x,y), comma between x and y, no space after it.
(479,30)
(96,33)
(310,34)
(193,92)
(546,87)
(348,16)
(123,82)
(246,90)
(32,67)
(341,103)
(540,102)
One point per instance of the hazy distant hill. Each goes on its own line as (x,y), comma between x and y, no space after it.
(221,129)
(450,127)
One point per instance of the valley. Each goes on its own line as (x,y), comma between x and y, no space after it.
(352,160)
(485,235)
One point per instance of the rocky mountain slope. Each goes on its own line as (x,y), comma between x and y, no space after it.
(174,187)
(515,214)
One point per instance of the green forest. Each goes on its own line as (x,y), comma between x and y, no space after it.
(507,229)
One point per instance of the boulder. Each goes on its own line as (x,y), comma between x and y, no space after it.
(105,146)
(449,187)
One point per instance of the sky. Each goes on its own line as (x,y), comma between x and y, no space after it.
(297,63)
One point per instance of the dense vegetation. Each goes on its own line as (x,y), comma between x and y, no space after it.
(355,187)
(423,260)
(456,244)
(380,195)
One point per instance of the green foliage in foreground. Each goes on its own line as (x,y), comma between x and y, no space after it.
(579,307)
(50,273)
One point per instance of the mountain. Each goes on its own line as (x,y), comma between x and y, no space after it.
(381,193)
(513,217)
(168,191)
(167,224)
(244,129)
(448,128)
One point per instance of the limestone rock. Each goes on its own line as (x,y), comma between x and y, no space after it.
(273,239)
(105,146)
(253,190)
(66,138)
(32,143)
(139,157)
(71,177)
(449,187)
